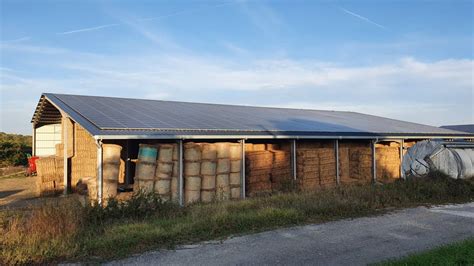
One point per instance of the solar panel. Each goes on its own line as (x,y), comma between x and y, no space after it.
(109,114)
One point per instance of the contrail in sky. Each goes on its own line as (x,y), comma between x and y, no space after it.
(143,19)
(362,18)
(90,29)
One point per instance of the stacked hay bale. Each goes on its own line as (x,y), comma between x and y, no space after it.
(84,161)
(307,168)
(388,161)
(355,162)
(223,171)
(235,155)
(208,172)
(192,171)
(282,179)
(145,168)
(175,175)
(164,171)
(258,167)
(49,179)
(316,165)
(110,168)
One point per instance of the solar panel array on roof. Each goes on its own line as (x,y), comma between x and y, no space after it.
(120,116)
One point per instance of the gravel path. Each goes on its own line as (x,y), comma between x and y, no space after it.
(347,242)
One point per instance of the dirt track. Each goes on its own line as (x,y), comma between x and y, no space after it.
(17,192)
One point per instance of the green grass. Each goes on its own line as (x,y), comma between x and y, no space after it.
(64,230)
(461,253)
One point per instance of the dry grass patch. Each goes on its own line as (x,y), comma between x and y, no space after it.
(66,231)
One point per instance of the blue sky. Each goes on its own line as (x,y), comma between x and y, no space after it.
(409,60)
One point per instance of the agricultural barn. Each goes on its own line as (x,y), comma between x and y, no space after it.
(190,152)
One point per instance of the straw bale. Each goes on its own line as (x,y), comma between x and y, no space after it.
(235,193)
(208,196)
(234,179)
(192,152)
(208,167)
(258,178)
(208,182)
(165,153)
(66,122)
(272,146)
(235,151)
(260,187)
(251,172)
(163,186)
(223,166)
(223,150)
(209,151)
(222,187)
(174,188)
(259,147)
(175,168)
(46,168)
(192,168)
(192,183)
(164,168)
(192,196)
(235,166)
(109,188)
(175,152)
(248,147)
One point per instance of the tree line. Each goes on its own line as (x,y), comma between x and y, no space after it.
(14,149)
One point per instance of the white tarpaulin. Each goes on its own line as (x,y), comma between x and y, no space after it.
(455,159)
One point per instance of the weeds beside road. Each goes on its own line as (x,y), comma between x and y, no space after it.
(64,230)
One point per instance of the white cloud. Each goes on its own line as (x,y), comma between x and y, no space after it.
(439,92)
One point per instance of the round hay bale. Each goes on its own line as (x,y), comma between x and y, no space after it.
(165,168)
(192,183)
(91,183)
(163,187)
(147,153)
(109,189)
(208,168)
(223,166)
(235,151)
(111,153)
(235,166)
(174,188)
(192,196)
(208,182)
(165,154)
(145,171)
(234,179)
(146,186)
(165,197)
(222,182)
(223,150)
(192,168)
(235,193)
(209,152)
(160,176)
(208,195)
(192,152)
(175,168)
(175,152)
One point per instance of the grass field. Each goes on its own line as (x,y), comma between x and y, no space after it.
(461,253)
(64,230)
